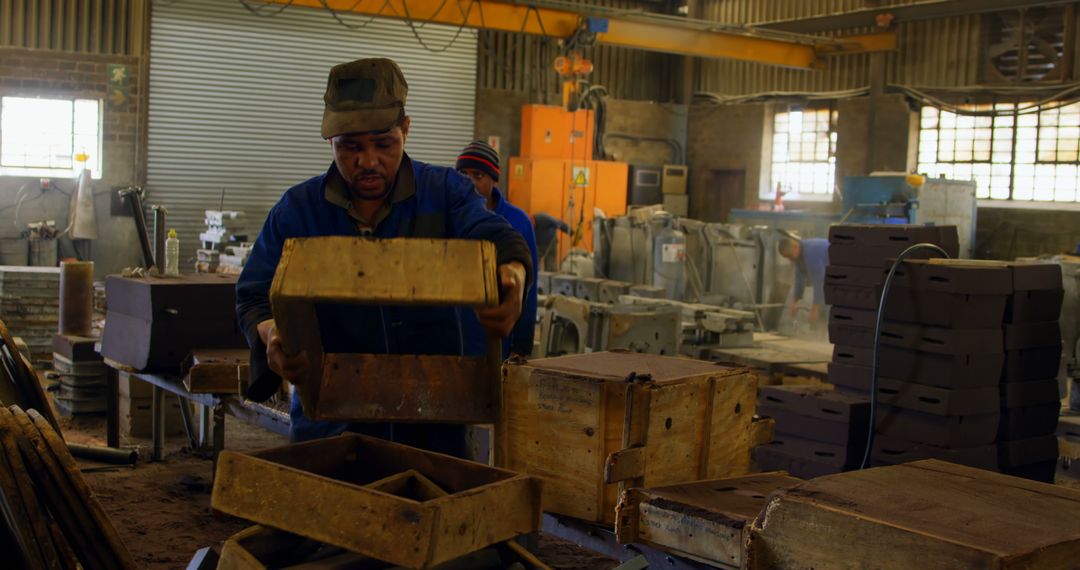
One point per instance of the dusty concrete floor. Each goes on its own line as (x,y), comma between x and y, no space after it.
(162,510)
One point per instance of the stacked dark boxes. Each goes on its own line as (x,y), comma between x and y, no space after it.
(969,356)
(818,431)
(859,257)
(1030,403)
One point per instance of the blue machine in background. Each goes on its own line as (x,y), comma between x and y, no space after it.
(889,199)
(879,200)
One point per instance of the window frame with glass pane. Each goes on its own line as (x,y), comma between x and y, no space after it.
(1032,153)
(803,153)
(43,137)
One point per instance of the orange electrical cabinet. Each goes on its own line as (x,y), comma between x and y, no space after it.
(569,190)
(553,132)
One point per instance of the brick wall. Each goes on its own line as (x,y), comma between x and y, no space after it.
(40,73)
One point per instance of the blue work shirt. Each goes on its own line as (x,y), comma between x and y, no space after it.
(813,259)
(520,340)
(426,202)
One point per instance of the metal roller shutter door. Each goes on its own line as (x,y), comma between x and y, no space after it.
(236,102)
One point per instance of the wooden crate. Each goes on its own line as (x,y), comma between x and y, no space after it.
(363,494)
(377,387)
(593,424)
(706,520)
(220,371)
(926,514)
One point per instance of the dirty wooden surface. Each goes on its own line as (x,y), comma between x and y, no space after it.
(706,520)
(926,514)
(407,387)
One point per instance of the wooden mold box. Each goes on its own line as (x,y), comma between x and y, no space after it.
(707,521)
(378,498)
(378,387)
(221,371)
(262,548)
(591,425)
(925,514)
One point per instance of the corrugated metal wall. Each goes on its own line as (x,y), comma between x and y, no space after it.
(112,27)
(236,101)
(524,63)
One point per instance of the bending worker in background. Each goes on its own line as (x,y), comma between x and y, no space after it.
(480,163)
(811,257)
(374,189)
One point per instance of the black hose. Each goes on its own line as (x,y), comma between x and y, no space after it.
(877,341)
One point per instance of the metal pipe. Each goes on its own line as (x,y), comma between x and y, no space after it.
(135,203)
(104,454)
(159,238)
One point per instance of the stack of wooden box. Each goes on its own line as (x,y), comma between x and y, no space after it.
(1030,403)
(136,409)
(30,306)
(818,430)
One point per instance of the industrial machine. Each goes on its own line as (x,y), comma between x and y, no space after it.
(223,250)
(556,173)
(912,199)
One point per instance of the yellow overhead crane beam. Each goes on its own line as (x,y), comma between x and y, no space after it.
(625,28)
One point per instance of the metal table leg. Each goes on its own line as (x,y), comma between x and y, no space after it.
(158,423)
(189,427)
(219,433)
(112,407)
(204,426)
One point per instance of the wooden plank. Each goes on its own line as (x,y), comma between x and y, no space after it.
(21,507)
(121,557)
(404,387)
(57,495)
(762,431)
(396,271)
(557,434)
(317,490)
(927,514)
(733,411)
(625,464)
(216,371)
(704,520)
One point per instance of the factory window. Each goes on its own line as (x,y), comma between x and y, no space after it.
(1013,152)
(44,137)
(804,154)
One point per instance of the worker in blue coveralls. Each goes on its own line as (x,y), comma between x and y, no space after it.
(811,257)
(374,189)
(480,163)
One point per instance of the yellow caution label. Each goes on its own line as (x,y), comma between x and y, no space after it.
(581,176)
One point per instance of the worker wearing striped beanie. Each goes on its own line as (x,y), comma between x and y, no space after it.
(480,163)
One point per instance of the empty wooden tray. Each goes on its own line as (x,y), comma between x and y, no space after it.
(378,498)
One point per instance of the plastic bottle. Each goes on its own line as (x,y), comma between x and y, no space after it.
(172,254)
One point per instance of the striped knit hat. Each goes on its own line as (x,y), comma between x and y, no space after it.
(480,156)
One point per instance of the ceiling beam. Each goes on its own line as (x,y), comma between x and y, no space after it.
(625,28)
(934,10)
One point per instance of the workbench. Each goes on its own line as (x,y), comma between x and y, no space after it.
(211,411)
(772,354)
